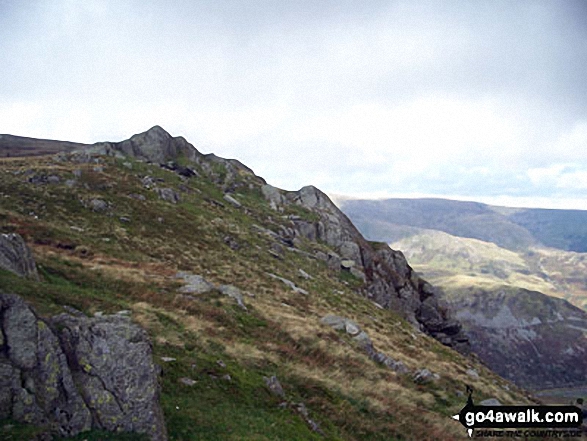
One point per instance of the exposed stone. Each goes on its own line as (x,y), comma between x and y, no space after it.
(228,198)
(274,386)
(388,279)
(290,284)
(98,205)
(352,328)
(233,292)
(138,197)
(392,364)
(111,361)
(490,402)
(304,274)
(347,264)
(16,257)
(187,381)
(473,374)
(424,376)
(335,322)
(195,284)
(231,242)
(273,195)
(168,194)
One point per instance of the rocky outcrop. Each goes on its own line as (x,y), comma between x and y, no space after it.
(16,257)
(364,342)
(75,373)
(154,145)
(387,278)
(533,340)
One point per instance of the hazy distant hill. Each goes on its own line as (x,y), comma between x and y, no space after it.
(495,265)
(17,146)
(511,228)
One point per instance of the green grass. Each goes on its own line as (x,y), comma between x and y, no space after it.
(350,396)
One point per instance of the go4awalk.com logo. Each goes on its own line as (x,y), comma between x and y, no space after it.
(542,421)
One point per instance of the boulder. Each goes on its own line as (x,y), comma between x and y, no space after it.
(98,205)
(16,257)
(168,194)
(194,284)
(93,373)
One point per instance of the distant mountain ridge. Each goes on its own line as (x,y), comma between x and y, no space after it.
(511,228)
(18,146)
(495,265)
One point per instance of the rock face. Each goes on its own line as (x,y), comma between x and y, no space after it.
(154,145)
(92,373)
(16,257)
(388,279)
(533,340)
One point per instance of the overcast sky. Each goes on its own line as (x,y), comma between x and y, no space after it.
(482,100)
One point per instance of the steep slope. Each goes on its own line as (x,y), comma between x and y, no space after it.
(240,285)
(497,290)
(536,341)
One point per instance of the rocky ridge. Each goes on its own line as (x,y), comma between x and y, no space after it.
(386,277)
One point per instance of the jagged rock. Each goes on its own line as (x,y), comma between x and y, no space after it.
(154,145)
(274,386)
(16,257)
(97,373)
(111,361)
(37,385)
(388,279)
(168,194)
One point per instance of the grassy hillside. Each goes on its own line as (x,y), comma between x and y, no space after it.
(105,241)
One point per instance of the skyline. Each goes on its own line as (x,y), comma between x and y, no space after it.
(478,101)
